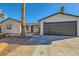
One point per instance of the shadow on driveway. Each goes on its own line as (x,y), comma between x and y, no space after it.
(34,40)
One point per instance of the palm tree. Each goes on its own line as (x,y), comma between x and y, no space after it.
(23,20)
(1,15)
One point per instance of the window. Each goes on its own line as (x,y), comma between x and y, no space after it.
(9,26)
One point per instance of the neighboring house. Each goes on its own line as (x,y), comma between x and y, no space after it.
(60,24)
(10,26)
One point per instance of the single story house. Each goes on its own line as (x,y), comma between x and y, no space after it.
(57,24)
(60,24)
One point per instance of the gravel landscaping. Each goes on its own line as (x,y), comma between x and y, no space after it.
(15,40)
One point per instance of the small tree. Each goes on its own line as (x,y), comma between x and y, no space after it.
(62,9)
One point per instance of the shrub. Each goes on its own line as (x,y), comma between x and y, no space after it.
(4,35)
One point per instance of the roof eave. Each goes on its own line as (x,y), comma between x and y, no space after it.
(56,14)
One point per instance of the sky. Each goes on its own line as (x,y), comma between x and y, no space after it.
(36,11)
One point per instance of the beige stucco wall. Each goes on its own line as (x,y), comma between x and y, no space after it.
(16,28)
(60,18)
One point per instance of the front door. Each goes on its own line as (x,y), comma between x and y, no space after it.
(0,29)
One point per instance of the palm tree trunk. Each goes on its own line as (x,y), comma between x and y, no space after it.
(23,20)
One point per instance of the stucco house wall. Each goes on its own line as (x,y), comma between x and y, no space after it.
(16,28)
(59,18)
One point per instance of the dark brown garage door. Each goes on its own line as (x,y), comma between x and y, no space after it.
(60,28)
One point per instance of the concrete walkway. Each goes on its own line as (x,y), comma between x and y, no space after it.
(44,46)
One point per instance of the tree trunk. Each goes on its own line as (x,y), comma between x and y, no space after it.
(23,20)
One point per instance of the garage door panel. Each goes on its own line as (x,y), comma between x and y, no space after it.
(60,28)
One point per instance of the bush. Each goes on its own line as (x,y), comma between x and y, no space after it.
(4,35)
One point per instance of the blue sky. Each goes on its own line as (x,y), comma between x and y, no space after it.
(36,11)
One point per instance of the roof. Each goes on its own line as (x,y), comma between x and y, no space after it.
(10,19)
(33,23)
(56,14)
(18,21)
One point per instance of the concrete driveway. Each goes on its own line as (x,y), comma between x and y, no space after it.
(44,45)
(45,40)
